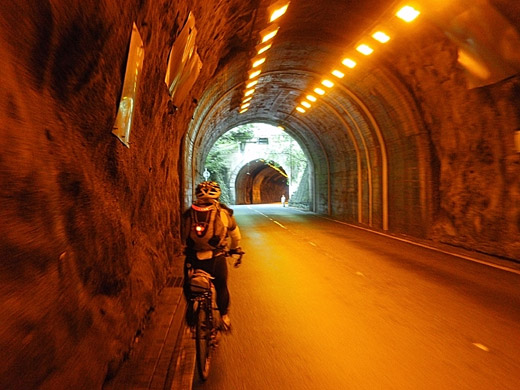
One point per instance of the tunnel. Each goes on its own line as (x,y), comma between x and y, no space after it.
(410,123)
(260,181)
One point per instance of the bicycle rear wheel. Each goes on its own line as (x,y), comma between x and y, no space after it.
(203,346)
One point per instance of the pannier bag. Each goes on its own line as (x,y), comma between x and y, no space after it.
(200,281)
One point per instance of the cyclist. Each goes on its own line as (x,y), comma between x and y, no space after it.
(209,230)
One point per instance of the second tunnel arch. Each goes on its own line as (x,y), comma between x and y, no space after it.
(260,181)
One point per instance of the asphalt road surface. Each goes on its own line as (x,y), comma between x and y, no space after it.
(324,306)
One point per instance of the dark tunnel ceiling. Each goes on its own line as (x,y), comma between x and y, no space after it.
(313,36)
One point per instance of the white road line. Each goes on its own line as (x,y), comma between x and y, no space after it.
(279,224)
(512,270)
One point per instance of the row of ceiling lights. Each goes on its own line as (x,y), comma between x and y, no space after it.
(406,13)
(276,10)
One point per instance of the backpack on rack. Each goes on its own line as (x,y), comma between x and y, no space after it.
(207,230)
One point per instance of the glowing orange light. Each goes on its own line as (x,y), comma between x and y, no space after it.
(252,75)
(327,83)
(252,84)
(339,74)
(278,11)
(349,63)
(258,62)
(365,49)
(300,109)
(311,98)
(407,13)
(319,91)
(380,37)
(264,48)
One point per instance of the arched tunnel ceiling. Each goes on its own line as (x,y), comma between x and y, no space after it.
(369,133)
(312,37)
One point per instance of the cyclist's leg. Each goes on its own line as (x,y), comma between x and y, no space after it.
(189,263)
(221,274)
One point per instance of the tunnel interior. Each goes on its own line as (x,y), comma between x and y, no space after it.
(419,138)
(261,181)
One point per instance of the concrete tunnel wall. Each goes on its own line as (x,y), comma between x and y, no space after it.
(89,230)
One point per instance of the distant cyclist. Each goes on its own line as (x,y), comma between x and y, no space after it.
(210,230)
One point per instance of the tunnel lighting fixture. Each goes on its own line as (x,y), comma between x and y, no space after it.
(269,32)
(380,37)
(349,63)
(339,74)
(278,9)
(300,109)
(281,127)
(327,83)
(242,111)
(311,98)
(263,48)
(252,83)
(319,91)
(365,49)
(245,105)
(407,13)
(258,62)
(305,104)
(253,74)
(249,92)
(247,99)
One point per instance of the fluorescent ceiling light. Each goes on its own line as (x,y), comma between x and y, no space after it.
(407,13)
(300,109)
(277,10)
(305,104)
(263,48)
(319,91)
(255,73)
(381,37)
(311,98)
(252,84)
(249,92)
(338,74)
(349,63)
(244,105)
(247,99)
(258,62)
(365,49)
(269,32)
(244,110)
(327,83)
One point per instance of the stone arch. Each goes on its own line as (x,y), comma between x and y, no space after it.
(260,181)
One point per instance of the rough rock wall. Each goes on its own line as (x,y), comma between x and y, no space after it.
(88,227)
(476,167)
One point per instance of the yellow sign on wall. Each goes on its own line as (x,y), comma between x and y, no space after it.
(184,63)
(134,65)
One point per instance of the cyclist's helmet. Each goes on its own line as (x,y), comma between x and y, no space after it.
(208,190)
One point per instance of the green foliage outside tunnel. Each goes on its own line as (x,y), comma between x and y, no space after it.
(278,148)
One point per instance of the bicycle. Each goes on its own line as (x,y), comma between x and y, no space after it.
(208,323)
